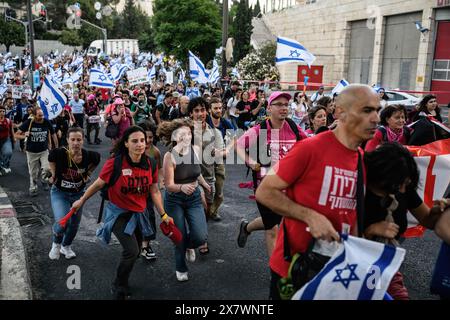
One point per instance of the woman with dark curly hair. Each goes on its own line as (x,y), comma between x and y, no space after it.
(392,127)
(392,180)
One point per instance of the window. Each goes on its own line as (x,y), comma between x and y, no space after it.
(441,70)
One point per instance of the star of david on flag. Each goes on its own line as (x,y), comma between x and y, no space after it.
(360,269)
(51,99)
(289,50)
(97,78)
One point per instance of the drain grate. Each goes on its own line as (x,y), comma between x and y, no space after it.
(29,215)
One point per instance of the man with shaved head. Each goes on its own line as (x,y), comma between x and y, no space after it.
(314,186)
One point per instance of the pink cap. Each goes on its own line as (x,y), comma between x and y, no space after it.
(277,94)
(91,97)
(118,101)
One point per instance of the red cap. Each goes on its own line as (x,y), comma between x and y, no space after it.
(170,230)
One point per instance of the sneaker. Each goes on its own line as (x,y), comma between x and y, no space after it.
(68,252)
(148,253)
(7,170)
(54,252)
(243,234)
(190,255)
(33,193)
(120,293)
(182,276)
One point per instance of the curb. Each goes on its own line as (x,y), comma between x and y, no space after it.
(15,282)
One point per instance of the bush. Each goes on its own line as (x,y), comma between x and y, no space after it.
(259,64)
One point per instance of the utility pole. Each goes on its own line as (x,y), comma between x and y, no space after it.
(224,38)
(30,27)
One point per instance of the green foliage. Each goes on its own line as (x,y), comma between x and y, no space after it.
(11,33)
(242,28)
(260,64)
(187,25)
(71,38)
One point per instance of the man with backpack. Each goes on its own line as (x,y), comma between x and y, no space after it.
(262,146)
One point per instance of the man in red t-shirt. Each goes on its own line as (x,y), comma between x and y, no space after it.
(319,176)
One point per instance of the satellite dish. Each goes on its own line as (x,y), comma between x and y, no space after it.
(97,6)
(98,15)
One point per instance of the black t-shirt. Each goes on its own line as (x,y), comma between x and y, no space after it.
(177,114)
(37,141)
(375,212)
(262,111)
(69,176)
(165,111)
(244,106)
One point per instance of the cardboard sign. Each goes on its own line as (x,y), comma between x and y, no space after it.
(18,91)
(169,77)
(137,76)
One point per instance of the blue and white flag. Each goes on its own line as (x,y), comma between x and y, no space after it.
(339,87)
(51,99)
(197,70)
(181,75)
(98,78)
(67,80)
(235,73)
(76,62)
(118,70)
(160,59)
(10,64)
(360,269)
(3,88)
(289,50)
(215,75)
(77,74)
(151,74)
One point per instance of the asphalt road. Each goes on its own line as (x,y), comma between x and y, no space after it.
(228,272)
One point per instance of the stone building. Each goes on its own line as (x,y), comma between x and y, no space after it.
(401,44)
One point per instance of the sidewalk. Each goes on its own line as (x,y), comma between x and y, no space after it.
(14,278)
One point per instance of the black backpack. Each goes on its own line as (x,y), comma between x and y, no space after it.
(263,126)
(115,175)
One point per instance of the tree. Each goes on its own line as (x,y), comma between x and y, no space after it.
(71,38)
(133,20)
(260,64)
(11,33)
(242,27)
(187,25)
(147,37)
(257,9)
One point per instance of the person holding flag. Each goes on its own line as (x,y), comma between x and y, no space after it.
(71,168)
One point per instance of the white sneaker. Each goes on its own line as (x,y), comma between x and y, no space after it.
(182,276)
(68,252)
(7,170)
(190,255)
(54,253)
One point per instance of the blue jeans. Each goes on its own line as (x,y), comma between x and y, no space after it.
(187,212)
(61,204)
(6,153)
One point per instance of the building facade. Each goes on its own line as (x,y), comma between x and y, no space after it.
(401,44)
(145,5)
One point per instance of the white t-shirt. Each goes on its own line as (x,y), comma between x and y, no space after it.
(232,103)
(77,106)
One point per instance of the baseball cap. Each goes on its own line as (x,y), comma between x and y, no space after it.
(118,101)
(91,97)
(277,94)
(170,230)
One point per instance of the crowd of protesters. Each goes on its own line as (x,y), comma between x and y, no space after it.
(199,124)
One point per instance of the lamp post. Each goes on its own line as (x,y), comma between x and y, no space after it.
(224,37)
(31,28)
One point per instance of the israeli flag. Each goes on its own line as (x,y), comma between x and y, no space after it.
(360,269)
(98,78)
(197,70)
(128,60)
(27,62)
(118,70)
(76,62)
(67,80)
(10,64)
(151,74)
(235,73)
(51,99)
(215,75)
(160,60)
(289,50)
(77,74)
(339,87)
(181,75)
(3,88)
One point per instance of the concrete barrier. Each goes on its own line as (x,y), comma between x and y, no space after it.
(15,282)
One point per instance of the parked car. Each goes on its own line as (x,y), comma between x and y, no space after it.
(407,99)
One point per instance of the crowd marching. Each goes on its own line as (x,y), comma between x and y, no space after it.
(317,161)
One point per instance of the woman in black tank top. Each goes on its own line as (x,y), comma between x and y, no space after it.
(182,176)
